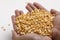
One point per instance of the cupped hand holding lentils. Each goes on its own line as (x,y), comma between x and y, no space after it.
(38,21)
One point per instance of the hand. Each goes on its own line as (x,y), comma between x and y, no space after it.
(56,23)
(16,36)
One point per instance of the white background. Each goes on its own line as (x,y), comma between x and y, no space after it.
(7,8)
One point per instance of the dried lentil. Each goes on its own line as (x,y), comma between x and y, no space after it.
(38,21)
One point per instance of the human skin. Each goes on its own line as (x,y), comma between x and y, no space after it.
(55,29)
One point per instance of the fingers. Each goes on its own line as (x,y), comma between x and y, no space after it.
(13,22)
(29,8)
(33,6)
(21,12)
(54,12)
(38,6)
(17,12)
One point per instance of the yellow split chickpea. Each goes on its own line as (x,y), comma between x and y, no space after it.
(38,21)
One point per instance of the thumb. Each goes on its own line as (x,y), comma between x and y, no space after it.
(53,11)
